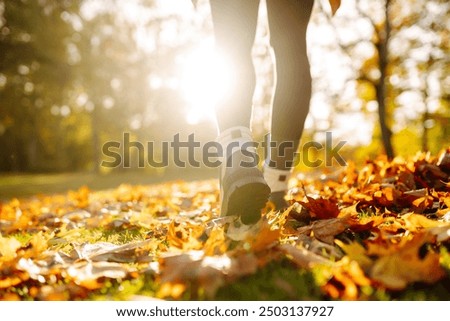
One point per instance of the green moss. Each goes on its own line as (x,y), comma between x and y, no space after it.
(278,281)
(125,290)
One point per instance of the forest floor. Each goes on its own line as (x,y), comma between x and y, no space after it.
(380,231)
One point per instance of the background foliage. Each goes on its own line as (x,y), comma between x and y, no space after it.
(77,73)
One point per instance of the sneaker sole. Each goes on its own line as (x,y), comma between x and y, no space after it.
(246,198)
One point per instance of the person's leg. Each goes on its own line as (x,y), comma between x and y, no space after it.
(234,23)
(244,191)
(288,21)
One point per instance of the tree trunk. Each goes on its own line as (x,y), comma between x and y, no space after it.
(382,47)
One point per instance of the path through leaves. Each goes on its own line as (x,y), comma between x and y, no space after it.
(381,228)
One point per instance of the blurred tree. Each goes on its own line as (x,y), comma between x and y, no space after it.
(394,60)
(76,73)
(35,73)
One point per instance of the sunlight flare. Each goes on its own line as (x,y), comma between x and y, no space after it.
(206,79)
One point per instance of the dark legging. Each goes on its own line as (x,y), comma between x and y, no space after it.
(235,24)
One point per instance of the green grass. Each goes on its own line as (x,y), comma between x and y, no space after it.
(278,281)
(26,185)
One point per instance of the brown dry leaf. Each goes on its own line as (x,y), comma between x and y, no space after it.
(382,248)
(206,272)
(302,257)
(335,4)
(108,252)
(321,208)
(326,230)
(191,268)
(36,246)
(387,196)
(403,267)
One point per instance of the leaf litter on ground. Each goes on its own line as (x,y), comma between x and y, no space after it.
(382,227)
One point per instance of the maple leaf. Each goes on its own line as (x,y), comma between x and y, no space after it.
(321,208)
(356,252)
(397,270)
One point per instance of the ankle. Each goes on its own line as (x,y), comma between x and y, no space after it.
(238,148)
(277,179)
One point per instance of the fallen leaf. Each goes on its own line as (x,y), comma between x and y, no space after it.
(86,272)
(216,244)
(326,230)
(8,248)
(302,257)
(356,252)
(108,252)
(417,222)
(266,236)
(346,280)
(321,208)
(335,4)
(405,266)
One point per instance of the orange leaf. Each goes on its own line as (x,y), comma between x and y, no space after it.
(335,4)
(267,236)
(216,243)
(321,208)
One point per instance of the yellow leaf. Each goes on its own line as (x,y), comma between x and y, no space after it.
(415,222)
(405,266)
(216,242)
(356,252)
(8,248)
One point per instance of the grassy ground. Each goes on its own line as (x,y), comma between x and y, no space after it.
(24,185)
(376,233)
